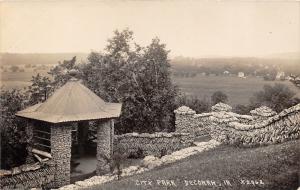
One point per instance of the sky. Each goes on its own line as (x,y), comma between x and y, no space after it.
(188,28)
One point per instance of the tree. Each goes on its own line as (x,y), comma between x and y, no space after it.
(109,74)
(139,77)
(277,97)
(40,89)
(218,97)
(242,109)
(154,93)
(14,68)
(13,136)
(199,105)
(60,72)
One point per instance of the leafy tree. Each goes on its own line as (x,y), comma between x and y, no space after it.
(139,77)
(109,74)
(13,137)
(242,109)
(14,68)
(277,97)
(60,73)
(153,89)
(199,105)
(40,89)
(219,97)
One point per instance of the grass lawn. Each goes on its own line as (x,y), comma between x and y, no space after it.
(276,166)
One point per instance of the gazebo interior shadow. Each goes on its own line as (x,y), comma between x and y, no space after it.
(84,150)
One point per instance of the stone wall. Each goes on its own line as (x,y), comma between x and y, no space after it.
(61,141)
(263,126)
(152,144)
(186,122)
(27,176)
(260,131)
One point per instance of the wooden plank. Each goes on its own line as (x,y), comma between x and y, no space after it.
(37,157)
(46,159)
(41,138)
(42,145)
(45,132)
(42,153)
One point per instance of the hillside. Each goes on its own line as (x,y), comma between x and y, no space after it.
(271,167)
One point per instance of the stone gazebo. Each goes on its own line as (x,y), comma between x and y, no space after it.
(72,103)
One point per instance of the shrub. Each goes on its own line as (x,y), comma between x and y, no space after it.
(14,68)
(277,97)
(242,109)
(12,129)
(116,161)
(218,97)
(199,105)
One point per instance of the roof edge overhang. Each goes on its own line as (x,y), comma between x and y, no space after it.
(31,113)
(64,122)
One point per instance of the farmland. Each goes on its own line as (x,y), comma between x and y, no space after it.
(239,90)
(18,80)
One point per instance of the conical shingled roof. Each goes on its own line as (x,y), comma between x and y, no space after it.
(72,102)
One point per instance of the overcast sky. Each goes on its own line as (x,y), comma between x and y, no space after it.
(189,28)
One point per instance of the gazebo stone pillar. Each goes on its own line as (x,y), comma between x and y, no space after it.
(104,146)
(61,142)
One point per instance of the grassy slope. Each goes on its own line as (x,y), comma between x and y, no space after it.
(276,165)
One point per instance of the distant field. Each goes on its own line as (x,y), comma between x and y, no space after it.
(239,90)
(18,80)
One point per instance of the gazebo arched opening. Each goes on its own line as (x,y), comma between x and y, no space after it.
(64,120)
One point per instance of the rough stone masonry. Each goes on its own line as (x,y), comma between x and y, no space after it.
(61,142)
(104,146)
(264,126)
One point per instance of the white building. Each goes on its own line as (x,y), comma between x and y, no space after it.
(241,74)
(289,78)
(280,75)
(226,72)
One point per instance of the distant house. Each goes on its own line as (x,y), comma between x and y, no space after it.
(203,74)
(226,73)
(289,78)
(241,74)
(280,75)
